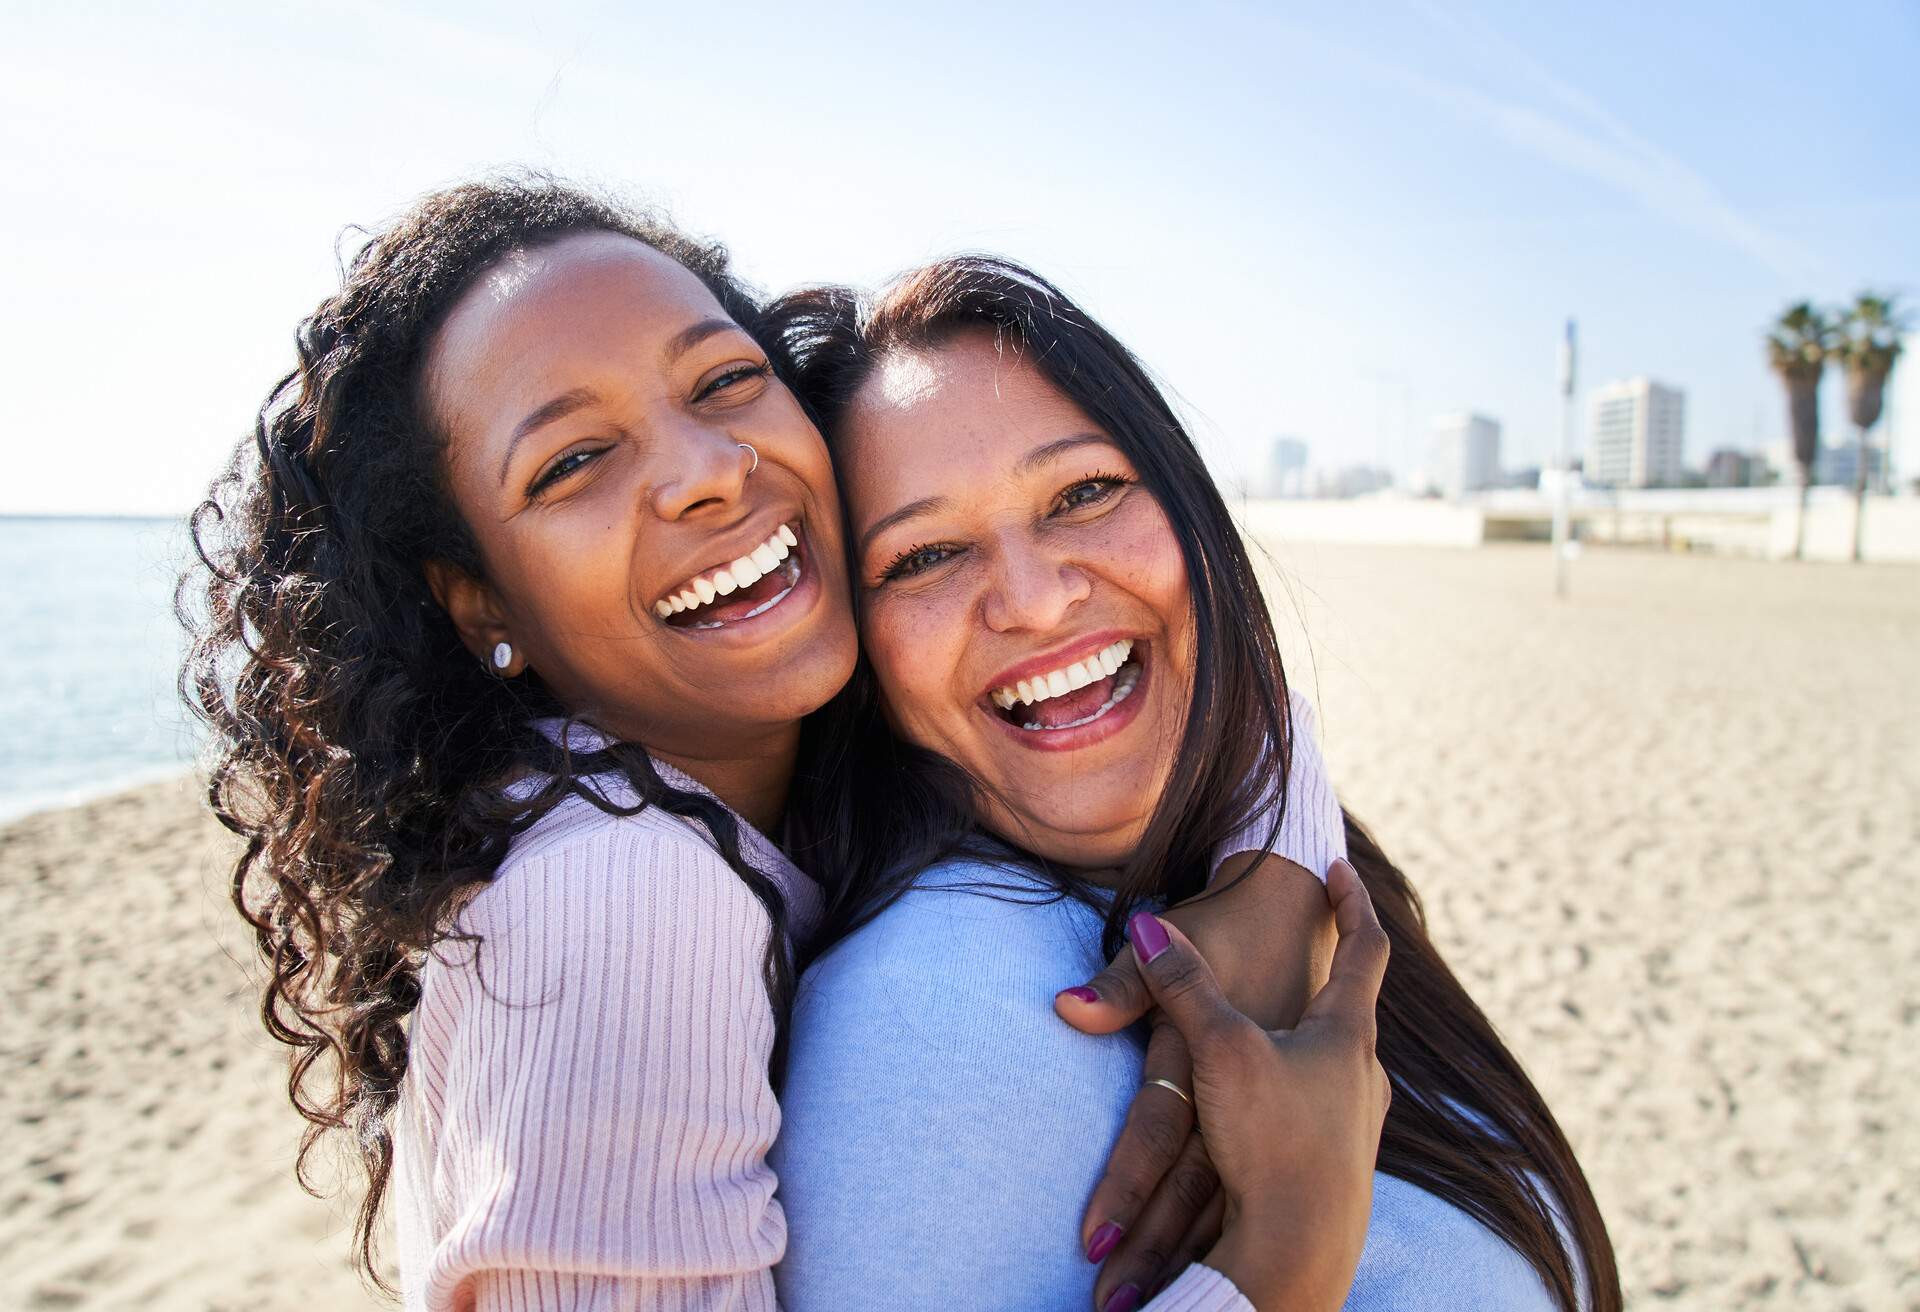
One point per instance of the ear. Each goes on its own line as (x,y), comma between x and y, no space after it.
(476,613)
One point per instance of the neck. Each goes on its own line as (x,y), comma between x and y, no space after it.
(752,778)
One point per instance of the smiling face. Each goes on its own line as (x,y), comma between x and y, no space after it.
(594,396)
(1025,601)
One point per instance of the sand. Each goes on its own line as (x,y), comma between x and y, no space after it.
(1667,833)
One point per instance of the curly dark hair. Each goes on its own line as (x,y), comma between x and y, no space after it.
(362,753)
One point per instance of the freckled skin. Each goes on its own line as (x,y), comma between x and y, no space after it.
(658,490)
(1020,573)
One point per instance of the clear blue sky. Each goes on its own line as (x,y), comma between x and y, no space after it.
(1329,221)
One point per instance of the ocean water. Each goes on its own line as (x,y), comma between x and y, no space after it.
(88,653)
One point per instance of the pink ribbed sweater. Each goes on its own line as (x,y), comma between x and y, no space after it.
(586,1115)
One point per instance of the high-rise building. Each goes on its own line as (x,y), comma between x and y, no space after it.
(1635,432)
(1729,468)
(1465,454)
(1287,468)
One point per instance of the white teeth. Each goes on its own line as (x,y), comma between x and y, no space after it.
(1101,665)
(742,573)
(1122,689)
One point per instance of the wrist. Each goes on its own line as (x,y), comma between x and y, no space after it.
(1270,1272)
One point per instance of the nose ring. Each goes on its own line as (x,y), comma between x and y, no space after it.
(750,451)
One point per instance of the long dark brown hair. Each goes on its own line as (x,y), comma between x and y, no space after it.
(359,750)
(1466,1124)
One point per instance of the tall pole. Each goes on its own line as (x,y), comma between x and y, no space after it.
(1561,490)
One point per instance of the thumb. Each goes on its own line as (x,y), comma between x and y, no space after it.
(1183,987)
(1110,1001)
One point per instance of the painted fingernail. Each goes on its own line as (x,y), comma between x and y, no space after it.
(1082,992)
(1149,936)
(1103,1240)
(1124,1299)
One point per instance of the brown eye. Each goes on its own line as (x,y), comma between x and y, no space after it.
(566,465)
(1091,491)
(732,378)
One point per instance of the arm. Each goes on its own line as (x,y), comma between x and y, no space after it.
(942,1127)
(599,1082)
(1266,930)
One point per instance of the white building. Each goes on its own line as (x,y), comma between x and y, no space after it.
(1287,468)
(1635,433)
(1465,455)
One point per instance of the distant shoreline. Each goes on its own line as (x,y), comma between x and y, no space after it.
(94,517)
(20,806)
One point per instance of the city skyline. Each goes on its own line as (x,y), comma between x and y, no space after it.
(1330,225)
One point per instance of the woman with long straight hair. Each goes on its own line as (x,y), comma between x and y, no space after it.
(508,617)
(1020,497)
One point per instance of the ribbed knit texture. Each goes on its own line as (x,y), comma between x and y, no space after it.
(1309,830)
(586,1115)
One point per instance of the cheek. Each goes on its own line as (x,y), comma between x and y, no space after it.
(1143,558)
(915,644)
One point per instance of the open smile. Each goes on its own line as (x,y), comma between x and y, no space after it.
(746,588)
(1080,703)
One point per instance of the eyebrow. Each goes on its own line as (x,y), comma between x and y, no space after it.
(558,408)
(581,397)
(1031,461)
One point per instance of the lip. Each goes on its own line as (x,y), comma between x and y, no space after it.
(792,609)
(1057,659)
(793,519)
(1113,722)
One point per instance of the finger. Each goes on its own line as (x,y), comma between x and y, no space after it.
(1352,990)
(1201,1236)
(1145,1258)
(1183,987)
(1110,1001)
(1158,1126)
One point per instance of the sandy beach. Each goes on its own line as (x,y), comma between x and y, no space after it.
(1667,832)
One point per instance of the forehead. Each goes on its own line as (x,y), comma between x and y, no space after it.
(540,319)
(930,419)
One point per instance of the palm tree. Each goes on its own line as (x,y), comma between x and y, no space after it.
(1797,349)
(1867,343)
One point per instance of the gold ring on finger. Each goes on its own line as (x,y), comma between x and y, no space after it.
(1185,1097)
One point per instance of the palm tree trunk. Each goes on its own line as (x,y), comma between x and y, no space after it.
(1800,520)
(1860,494)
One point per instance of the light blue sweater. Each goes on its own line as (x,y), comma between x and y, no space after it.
(943,1128)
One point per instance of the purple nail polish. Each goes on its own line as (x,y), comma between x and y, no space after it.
(1124,1299)
(1082,992)
(1103,1240)
(1149,936)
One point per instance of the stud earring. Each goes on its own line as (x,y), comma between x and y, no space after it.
(502,655)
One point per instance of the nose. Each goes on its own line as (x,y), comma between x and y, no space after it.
(706,469)
(1031,588)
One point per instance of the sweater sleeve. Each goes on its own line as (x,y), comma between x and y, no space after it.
(943,1126)
(590,1125)
(1308,830)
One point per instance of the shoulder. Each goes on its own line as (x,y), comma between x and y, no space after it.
(1422,1251)
(975,927)
(579,855)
